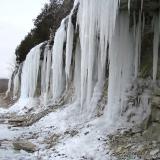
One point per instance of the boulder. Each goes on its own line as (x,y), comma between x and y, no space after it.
(24,145)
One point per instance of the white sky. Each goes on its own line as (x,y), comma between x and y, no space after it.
(16,20)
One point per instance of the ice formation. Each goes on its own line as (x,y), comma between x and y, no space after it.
(58,74)
(121,66)
(101,45)
(156,45)
(30,72)
(46,76)
(95,35)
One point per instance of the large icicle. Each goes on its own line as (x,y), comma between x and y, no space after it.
(46,76)
(69,45)
(30,71)
(16,84)
(58,71)
(94,29)
(156,45)
(77,78)
(120,67)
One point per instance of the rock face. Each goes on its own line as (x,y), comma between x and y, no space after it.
(155,109)
(136,144)
(3,85)
(24,145)
(148,5)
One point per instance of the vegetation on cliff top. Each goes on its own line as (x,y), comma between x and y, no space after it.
(46,23)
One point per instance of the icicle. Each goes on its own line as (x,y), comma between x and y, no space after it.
(120,68)
(141,6)
(137,46)
(129,5)
(46,75)
(30,71)
(16,85)
(69,45)
(77,78)
(143,22)
(94,28)
(156,45)
(43,72)
(58,80)
(9,86)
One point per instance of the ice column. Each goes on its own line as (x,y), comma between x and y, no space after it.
(120,67)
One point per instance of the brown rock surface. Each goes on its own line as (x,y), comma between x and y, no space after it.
(24,145)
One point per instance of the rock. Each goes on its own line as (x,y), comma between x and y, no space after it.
(156,101)
(86,133)
(129,146)
(145,124)
(119,149)
(72,133)
(52,140)
(3,85)
(140,148)
(154,152)
(24,145)
(155,115)
(157,92)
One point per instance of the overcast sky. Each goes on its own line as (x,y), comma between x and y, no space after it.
(16,20)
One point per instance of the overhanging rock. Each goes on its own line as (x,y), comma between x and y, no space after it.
(146,5)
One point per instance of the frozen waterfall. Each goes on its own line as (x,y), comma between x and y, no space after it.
(94,44)
(30,72)
(121,54)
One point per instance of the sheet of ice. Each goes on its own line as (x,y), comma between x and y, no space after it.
(156,41)
(120,67)
(46,76)
(58,80)
(30,72)
(95,35)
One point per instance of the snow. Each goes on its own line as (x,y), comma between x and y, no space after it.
(22,106)
(91,135)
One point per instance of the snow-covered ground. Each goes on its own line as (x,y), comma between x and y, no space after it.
(63,134)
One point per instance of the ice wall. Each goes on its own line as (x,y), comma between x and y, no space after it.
(95,43)
(29,77)
(121,67)
(58,66)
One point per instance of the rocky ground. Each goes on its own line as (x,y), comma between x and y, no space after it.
(60,135)
(5,102)
(3,85)
(129,144)
(142,141)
